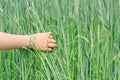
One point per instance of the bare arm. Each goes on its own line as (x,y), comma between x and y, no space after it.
(10,41)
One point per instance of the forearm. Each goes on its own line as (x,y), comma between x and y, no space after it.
(9,41)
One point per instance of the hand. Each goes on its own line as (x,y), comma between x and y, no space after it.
(43,41)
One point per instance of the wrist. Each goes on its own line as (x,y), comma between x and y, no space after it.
(32,41)
(27,41)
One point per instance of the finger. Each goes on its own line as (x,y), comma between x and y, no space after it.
(51,45)
(51,41)
(51,37)
(49,32)
(49,49)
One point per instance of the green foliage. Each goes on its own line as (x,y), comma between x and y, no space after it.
(87,34)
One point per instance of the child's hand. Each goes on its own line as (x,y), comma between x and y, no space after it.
(43,41)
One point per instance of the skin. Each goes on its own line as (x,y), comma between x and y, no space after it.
(40,41)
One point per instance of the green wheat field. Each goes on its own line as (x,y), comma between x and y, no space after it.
(87,33)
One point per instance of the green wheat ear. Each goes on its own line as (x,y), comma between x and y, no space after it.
(76,7)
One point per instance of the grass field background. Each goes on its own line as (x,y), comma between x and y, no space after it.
(87,34)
